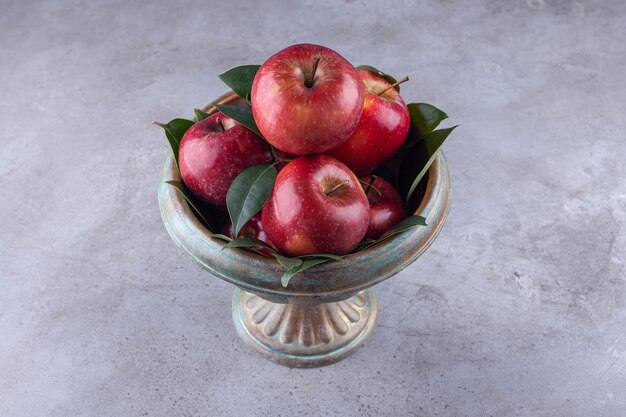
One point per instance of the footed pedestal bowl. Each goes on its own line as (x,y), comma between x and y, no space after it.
(327,311)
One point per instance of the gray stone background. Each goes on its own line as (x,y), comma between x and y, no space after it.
(518,309)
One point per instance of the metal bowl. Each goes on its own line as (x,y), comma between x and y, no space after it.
(326,312)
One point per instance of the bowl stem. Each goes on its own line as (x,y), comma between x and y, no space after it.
(299,335)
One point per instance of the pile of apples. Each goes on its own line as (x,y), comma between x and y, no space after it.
(325,126)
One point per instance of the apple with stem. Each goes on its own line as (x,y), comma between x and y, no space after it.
(382,129)
(306,99)
(317,206)
(386,206)
(213,152)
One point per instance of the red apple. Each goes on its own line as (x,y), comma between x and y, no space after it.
(307,99)
(317,206)
(213,152)
(381,131)
(386,206)
(252,229)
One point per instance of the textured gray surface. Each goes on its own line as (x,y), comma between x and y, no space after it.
(516,310)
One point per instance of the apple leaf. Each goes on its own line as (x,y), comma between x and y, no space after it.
(221,237)
(364,244)
(248,193)
(390,170)
(419,158)
(246,242)
(406,224)
(288,262)
(322,255)
(241,114)
(174,131)
(307,263)
(239,79)
(424,119)
(387,77)
(200,115)
(249,244)
(184,191)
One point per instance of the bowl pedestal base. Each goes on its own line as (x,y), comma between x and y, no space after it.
(302,335)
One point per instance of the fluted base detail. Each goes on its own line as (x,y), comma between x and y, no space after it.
(304,335)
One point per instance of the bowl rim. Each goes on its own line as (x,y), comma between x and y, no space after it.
(437,188)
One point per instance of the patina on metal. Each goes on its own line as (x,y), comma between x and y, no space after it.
(326,312)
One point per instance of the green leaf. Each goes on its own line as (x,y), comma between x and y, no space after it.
(419,158)
(406,224)
(221,237)
(288,262)
(387,77)
(364,244)
(284,280)
(248,193)
(182,189)
(322,255)
(241,114)
(174,131)
(200,115)
(239,79)
(424,119)
(247,242)
(390,170)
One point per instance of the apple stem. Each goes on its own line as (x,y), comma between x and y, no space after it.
(310,78)
(273,151)
(219,122)
(405,79)
(337,187)
(277,158)
(369,185)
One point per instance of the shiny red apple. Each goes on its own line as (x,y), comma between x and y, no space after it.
(252,229)
(317,206)
(307,99)
(213,152)
(386,206)
(381,131)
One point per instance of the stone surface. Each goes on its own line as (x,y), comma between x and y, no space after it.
(518,309)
